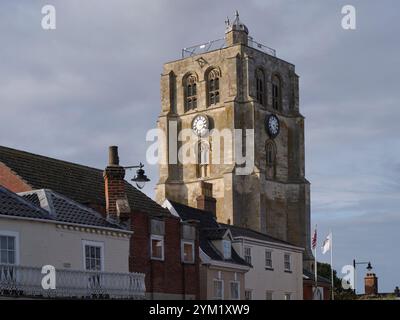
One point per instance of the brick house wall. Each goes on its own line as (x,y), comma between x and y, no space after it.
(308,290)
(169,278)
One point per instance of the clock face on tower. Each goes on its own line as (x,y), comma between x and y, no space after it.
(272,125)
(200,125)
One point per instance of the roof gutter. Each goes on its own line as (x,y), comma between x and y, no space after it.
(66,223)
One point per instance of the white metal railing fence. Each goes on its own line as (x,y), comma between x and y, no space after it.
(220,44)
(27,281)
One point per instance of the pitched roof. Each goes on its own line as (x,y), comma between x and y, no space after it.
(209,230)
(206,219)
(13,205)
(249,233)
(63,209)
(80,183)
(307,275)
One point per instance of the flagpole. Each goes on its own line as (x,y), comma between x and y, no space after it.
(315,265)
(333,295)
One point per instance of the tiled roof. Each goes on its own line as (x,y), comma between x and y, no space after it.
(245,232)
(80,183)
(209,230)
(13,205)
(215,234)
(66,210)
(206,219)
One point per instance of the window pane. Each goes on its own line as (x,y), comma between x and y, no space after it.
(11,257)
(234,290)
(92,252)
(188,252)
(227,249)
(156,248)
(3,256)
(218,289)
(3,242)
(98,255)
(11,243)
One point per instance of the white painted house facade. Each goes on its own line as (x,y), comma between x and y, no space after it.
(277,266)
(90,254)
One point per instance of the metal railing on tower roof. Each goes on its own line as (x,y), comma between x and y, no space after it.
(220,44)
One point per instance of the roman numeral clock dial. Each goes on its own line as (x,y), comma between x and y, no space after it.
(200,125)
(272,125)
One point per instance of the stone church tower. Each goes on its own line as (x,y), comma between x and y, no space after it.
(237,83)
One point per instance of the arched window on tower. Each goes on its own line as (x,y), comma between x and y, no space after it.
(203,159)
(276,92)
(213,86)
(270,153)
(190,88)
(260,87)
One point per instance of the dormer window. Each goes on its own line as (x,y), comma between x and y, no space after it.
(227,249)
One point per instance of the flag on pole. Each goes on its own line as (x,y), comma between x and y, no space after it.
(314,239)
(326,246)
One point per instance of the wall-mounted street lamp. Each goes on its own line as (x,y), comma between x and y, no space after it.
(355,263)
(140,178)
(113,161)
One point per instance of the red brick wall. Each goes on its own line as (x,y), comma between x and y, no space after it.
(170,276)
(308,290)
(11,181)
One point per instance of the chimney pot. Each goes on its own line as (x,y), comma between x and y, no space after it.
(113,159)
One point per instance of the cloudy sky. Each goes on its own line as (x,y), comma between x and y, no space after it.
(69,93)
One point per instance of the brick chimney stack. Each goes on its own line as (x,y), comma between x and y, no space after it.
(205,200)
(114,184)
(371,284)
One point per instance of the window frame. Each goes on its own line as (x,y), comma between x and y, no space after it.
(213,87)
(160,238)
(286,254)
(223,249)
(230,289)
(260,87)
(221,281)
(247,256)
(271,266)
(98,244)
(190,92)
(15,235)
(270,153)
(248,294)
(276,94)
(191,242)
(271,293)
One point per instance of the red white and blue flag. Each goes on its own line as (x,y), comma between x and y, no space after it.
(314,239)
